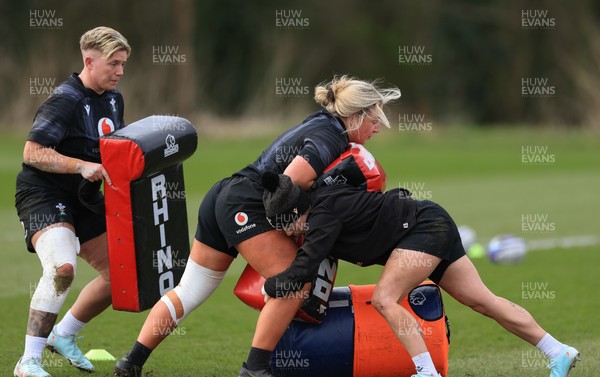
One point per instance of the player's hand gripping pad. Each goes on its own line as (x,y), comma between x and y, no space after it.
(356,167)
(314,308)
(146,217)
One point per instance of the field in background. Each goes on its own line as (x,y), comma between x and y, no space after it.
(538,185)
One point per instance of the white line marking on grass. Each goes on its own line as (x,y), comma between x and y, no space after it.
(563,242)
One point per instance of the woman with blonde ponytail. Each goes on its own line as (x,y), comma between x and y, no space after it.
(232,218)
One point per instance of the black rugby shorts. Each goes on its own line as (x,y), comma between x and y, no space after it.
(38,207)
(435,233)
(231,212)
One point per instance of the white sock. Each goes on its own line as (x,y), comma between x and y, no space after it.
(69,325)
(550,346)
(424,364)
(34,345)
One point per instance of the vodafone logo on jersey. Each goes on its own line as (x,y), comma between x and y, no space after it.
(105,126)
(241,218)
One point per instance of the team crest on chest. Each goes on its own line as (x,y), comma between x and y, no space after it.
(105,126)
(113,105)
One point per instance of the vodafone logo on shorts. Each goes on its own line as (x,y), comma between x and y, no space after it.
(105,126)
(241,218)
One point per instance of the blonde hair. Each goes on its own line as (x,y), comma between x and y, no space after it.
(354,99)
(105,40)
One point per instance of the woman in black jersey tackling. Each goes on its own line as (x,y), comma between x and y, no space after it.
(413,239)
(232,219)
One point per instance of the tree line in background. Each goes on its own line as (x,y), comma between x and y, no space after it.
(484,62)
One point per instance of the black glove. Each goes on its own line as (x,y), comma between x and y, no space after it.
(284,284)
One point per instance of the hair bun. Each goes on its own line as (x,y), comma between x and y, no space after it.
(270,180)
(330,95)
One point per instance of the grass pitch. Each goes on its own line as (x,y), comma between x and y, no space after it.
(496,181)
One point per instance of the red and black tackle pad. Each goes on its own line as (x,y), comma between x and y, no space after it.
(146,217)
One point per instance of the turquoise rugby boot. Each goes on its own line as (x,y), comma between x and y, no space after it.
(561,365)
(31,367)
(66,347)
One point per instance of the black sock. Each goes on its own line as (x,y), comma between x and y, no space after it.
(139,354)
(258,359)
